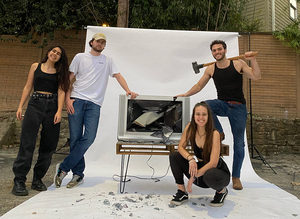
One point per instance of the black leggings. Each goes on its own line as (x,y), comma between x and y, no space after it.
(213,178)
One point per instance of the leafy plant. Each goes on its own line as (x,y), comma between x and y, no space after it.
(211,15)
(290,36)
(29,18)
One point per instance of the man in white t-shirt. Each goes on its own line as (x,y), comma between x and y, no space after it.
(83,104)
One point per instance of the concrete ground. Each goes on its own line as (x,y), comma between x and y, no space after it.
(7,156)
(287,167)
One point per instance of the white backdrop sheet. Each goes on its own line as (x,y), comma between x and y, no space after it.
(154,62)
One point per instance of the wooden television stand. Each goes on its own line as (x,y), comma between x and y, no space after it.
(147,148)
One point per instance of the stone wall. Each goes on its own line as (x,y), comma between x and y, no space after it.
(10,130)
(273,135)
(7,129)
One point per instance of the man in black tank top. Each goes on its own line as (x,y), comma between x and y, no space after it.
(228,79)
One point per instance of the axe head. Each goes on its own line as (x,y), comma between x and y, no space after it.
(196,67)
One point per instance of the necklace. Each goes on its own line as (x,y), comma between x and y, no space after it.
(201,135)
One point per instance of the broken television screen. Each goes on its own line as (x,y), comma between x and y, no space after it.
(154,115)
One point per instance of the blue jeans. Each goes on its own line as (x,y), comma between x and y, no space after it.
(237,115)
(83,125)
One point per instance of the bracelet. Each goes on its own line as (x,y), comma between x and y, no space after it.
(188,157)
(191,160)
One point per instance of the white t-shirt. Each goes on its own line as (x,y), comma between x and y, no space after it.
(91,76)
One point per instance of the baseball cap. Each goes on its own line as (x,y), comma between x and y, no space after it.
(99,36)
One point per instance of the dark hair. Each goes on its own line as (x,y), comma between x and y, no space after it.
(62,68)
(218,42)
(209,129)
(90,42)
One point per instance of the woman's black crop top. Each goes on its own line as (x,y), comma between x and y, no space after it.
(44,81)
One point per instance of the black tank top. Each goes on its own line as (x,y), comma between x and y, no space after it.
(198,152)
(229,83)
(221,164)
(44,81)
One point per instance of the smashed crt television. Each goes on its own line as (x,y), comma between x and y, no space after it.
(157,119)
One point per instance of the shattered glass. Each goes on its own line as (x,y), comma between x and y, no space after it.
(160,117)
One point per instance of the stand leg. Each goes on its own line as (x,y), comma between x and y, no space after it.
(251,130)
(261,157)
(122,175)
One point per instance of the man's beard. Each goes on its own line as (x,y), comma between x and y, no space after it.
(97,50)
(222,57)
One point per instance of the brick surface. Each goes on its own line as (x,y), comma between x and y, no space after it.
(271,96)
(16,59)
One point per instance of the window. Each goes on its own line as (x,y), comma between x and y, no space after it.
(293,9)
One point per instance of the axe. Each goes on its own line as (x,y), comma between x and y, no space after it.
(196,67)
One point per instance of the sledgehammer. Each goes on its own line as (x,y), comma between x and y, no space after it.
(196,67)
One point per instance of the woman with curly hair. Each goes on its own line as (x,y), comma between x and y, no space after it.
(207,169)
(49,81)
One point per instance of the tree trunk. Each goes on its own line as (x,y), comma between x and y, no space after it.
(218,15)
(123,13)
(208,13)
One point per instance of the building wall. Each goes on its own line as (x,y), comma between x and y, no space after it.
(277,91)
(262,9)
(282,14)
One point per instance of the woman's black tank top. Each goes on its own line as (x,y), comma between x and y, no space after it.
(221,164)
(44,81)
(198,152)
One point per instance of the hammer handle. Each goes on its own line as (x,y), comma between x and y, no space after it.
(233,58)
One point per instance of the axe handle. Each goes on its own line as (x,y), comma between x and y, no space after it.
(233,58)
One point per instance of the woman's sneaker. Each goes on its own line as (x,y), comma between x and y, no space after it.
(38,185)
(19,188)
(219,199)
(59,176)
(179,198)
(76,181)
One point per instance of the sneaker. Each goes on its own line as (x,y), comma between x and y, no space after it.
(38,185)
(19,188)
(76,181)
(59,176)
(219,199)
(179,198)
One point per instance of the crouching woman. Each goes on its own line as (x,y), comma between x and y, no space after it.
(208,169)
